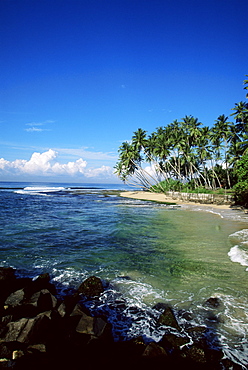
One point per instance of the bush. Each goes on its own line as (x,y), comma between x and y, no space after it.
(241,193)
(241,188)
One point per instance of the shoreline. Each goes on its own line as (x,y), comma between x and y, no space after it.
(162,198)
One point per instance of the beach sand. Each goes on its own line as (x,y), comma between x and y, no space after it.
(160,197)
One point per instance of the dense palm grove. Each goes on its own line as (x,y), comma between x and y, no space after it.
(187,156)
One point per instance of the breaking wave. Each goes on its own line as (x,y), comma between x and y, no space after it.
(239,252)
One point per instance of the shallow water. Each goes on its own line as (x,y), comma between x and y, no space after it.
(145,252)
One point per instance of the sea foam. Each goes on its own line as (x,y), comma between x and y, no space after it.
(239,252)
(41,190)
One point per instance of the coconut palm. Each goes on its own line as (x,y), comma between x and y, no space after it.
(139,139)
(241,116)
(246,87)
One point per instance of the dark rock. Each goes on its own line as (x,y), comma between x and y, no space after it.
(172,342)
(85,325)
(102,329)
(62,309)
(213,302)
(197,333)
(160,306)
(196,354)
(42,282)
(35,348)
(185,315)
(230,365)
(15,298)
(43,300)
(7,274)
(168,318)
(65,308)
(129,350)
(91,287)
(7,282)
(26,330)
(77,310)
(213,318)
(5,351)
(154,350)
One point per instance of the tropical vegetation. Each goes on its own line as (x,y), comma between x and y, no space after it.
(185,155)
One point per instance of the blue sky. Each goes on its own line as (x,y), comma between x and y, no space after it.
(79,77)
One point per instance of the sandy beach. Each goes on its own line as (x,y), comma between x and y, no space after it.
(160,197)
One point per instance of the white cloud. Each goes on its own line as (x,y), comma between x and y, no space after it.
(45,164)
(35,129)
(34,125)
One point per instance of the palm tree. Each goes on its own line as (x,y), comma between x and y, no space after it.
(139,139)
(221,131)
(241,116)
(246,87)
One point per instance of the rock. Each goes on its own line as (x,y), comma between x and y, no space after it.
(91,287)
(42,282)
(172,342)
(168,318)
(43,300)
(77,311)
(129,350)
(101,328)
(15,298)
(7,274)
(154,350)
(85,325)
(26,330)
(198,334)
(213,302)
(196,354)
(62,309)
(17,354)
(5,351)
(160,306)
(7,282)
(36,348)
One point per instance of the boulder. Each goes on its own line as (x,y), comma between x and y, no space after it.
(27,330)
(91,287)
(14,299)
(7,282)
(172,342)
(36,348)
(196,355)
(168,318)
(40,283)
(43,300)
(7,274)
(198,334)
(213,302)
(85,325)
(154,350)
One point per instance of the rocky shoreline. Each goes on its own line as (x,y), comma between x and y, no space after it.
(39,329)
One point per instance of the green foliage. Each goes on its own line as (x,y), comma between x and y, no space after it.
(168,185)
(241,188)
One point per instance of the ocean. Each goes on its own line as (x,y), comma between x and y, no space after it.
(145,253)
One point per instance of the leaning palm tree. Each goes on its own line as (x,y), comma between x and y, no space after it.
(221,129)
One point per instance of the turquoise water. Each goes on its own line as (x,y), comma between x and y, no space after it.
(145,252)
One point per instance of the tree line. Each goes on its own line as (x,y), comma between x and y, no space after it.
(186,155)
